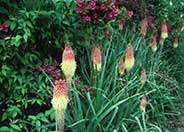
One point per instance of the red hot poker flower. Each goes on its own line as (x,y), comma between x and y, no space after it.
(175,44)
(143,104)
(164,31)
(60,101)
(144,26)
(96,57)
(129,59)
(121,67)
(68,64)
(143,76)
(154,43)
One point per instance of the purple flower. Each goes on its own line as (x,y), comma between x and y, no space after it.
(50,69)
(55,63)
(86,18)
(55,75)
(80,1)
(130,13)
(80,10)
(150,21)
(92,4)
(4,27)
(103,7)
(115,12)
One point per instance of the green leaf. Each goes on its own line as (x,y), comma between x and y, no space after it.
(5,115)
(68,1)
(32,117)
(4,129)
(15,127)
(13,25)
(17,41)
(3,10)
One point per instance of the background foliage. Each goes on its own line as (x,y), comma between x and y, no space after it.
(31,43)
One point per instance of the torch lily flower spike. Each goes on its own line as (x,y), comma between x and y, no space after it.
(68,64)
(129,59)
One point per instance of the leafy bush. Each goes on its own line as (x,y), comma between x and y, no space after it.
(32,37)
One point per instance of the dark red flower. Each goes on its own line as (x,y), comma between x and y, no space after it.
(4,27)
(103,7)
(92,5)
(86,18)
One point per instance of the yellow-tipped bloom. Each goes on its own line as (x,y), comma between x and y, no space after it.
(175,44)
(60,101)
(164,32)
(154,43)
(68,64)
(121,67)
(143,104)
(129,59)
(60,95)
(96,58)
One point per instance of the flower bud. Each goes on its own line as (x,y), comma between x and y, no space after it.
(129,59)
(154,43)
(143,104)
(164,32)
(175,44)
(143,76)
(96,58)
(144,26)
(121,67)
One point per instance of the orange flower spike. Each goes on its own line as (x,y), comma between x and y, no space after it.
(143,104)
(96,58)
(68,64)
(143,76)
(60,95)
(144,26)
(121,67)
(164,31)
(154,43)
(129,59)
(60,101)
(175,44)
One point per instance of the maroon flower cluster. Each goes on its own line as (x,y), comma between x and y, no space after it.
(4,27)
(94,10)
(49,69)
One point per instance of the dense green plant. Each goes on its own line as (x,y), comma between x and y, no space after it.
(32,36)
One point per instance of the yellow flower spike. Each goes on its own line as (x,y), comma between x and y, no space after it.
(129,59)
(59,102)
(121,67)
(144,26)
(96,58)
(143,76)
(68,64)
(175,44)
(164,31)
(154,43)
(143,104)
